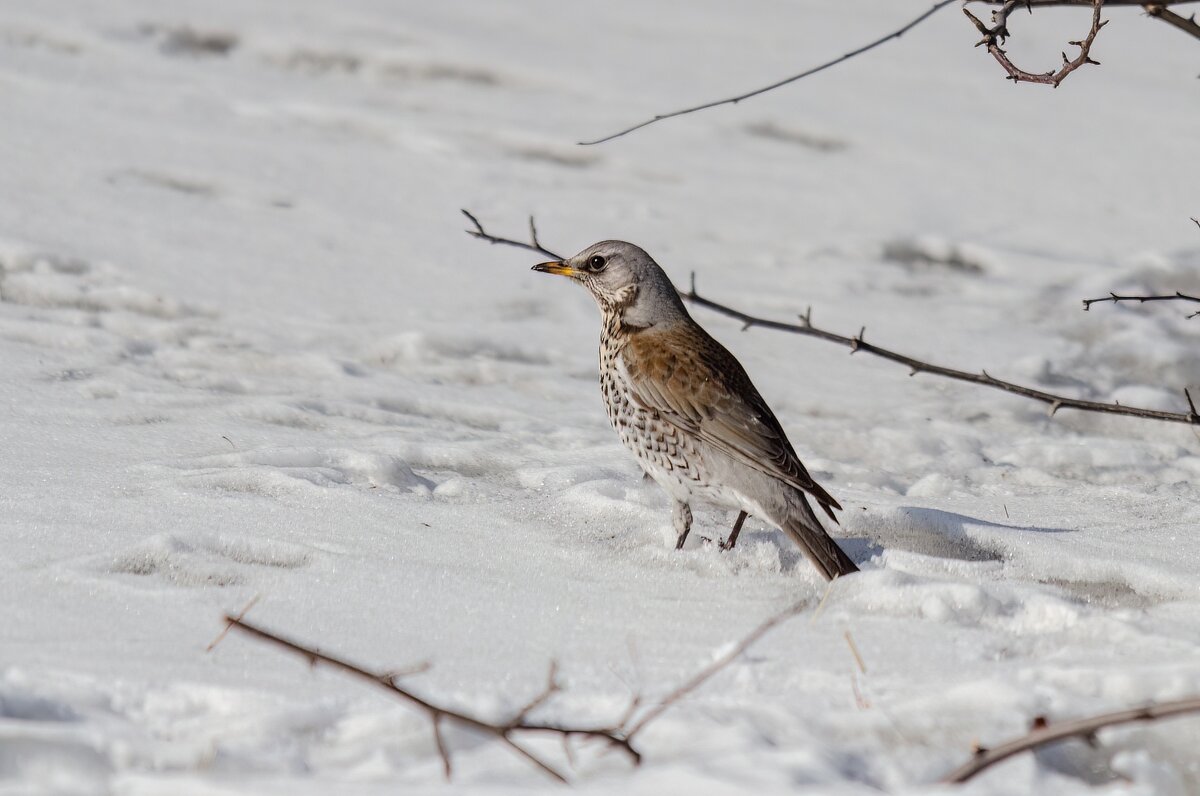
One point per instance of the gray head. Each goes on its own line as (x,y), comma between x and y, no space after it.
(625,281)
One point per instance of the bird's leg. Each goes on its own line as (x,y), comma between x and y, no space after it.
(681,518)
(733,535)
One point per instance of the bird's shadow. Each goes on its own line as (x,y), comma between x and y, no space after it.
(933,532)
(915,529)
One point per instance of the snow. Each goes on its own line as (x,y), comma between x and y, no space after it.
(248,350)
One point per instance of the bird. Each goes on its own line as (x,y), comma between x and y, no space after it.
(685,407)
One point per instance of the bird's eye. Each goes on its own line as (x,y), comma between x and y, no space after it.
(596,262)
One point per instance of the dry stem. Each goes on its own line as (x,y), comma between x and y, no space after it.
(778,84)
(1114,298)
(619,736)
(1044,733)
(1159,10)
(705,674)
(437,713)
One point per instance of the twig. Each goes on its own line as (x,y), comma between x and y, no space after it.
(862,667)
(1032,4)
(916,366)
(735,100)
(713,668)
(1186,24)
(860,701)
(857,343)
(408,671)
(1114,298)
(479,232)
(225,630)
(816,614)
(1044,733)
(552,688)
(503,732)
(440,743)
(994,37)
(1159,10)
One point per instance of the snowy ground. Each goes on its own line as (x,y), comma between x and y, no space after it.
(248,350)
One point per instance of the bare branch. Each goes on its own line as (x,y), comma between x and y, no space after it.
(627,716)
(705,674)
(994,36)
(735,100)
(440,742)
(1114,298)
(1032,4)
(552,688)
(225,631)
(1186,24)
(437,713)
(1044,733)
(532,758)
(856,343)
(534,246)
(1159,10)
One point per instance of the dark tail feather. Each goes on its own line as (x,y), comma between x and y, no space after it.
(825,501)
(825,554)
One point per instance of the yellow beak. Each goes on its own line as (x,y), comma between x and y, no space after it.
(560,268)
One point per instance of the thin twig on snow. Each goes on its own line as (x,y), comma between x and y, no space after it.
(1114,298)
(778,84)
(992,37)
(503,731)
(706,674)
(1044,733)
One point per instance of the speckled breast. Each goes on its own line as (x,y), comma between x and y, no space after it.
(668,454)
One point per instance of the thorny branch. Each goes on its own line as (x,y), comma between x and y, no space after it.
(706,674)
(535,246)
(620,736)
(735,100)
(1114,298)
(1186,24)
(998,31)
(858,343)
(518,725)
(1044,733)
(996,35)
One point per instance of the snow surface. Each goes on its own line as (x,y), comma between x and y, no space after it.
(248,350)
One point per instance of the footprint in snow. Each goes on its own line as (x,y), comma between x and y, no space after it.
(198,561)
(286,471)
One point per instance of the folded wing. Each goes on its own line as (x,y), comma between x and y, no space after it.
(702,389)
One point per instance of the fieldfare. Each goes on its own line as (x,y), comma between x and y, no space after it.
(687,410)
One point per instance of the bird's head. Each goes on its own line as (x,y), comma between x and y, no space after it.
(624,280)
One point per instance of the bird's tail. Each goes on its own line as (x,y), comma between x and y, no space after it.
(805,530)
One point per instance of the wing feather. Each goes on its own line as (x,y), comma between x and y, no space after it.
(690,380)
